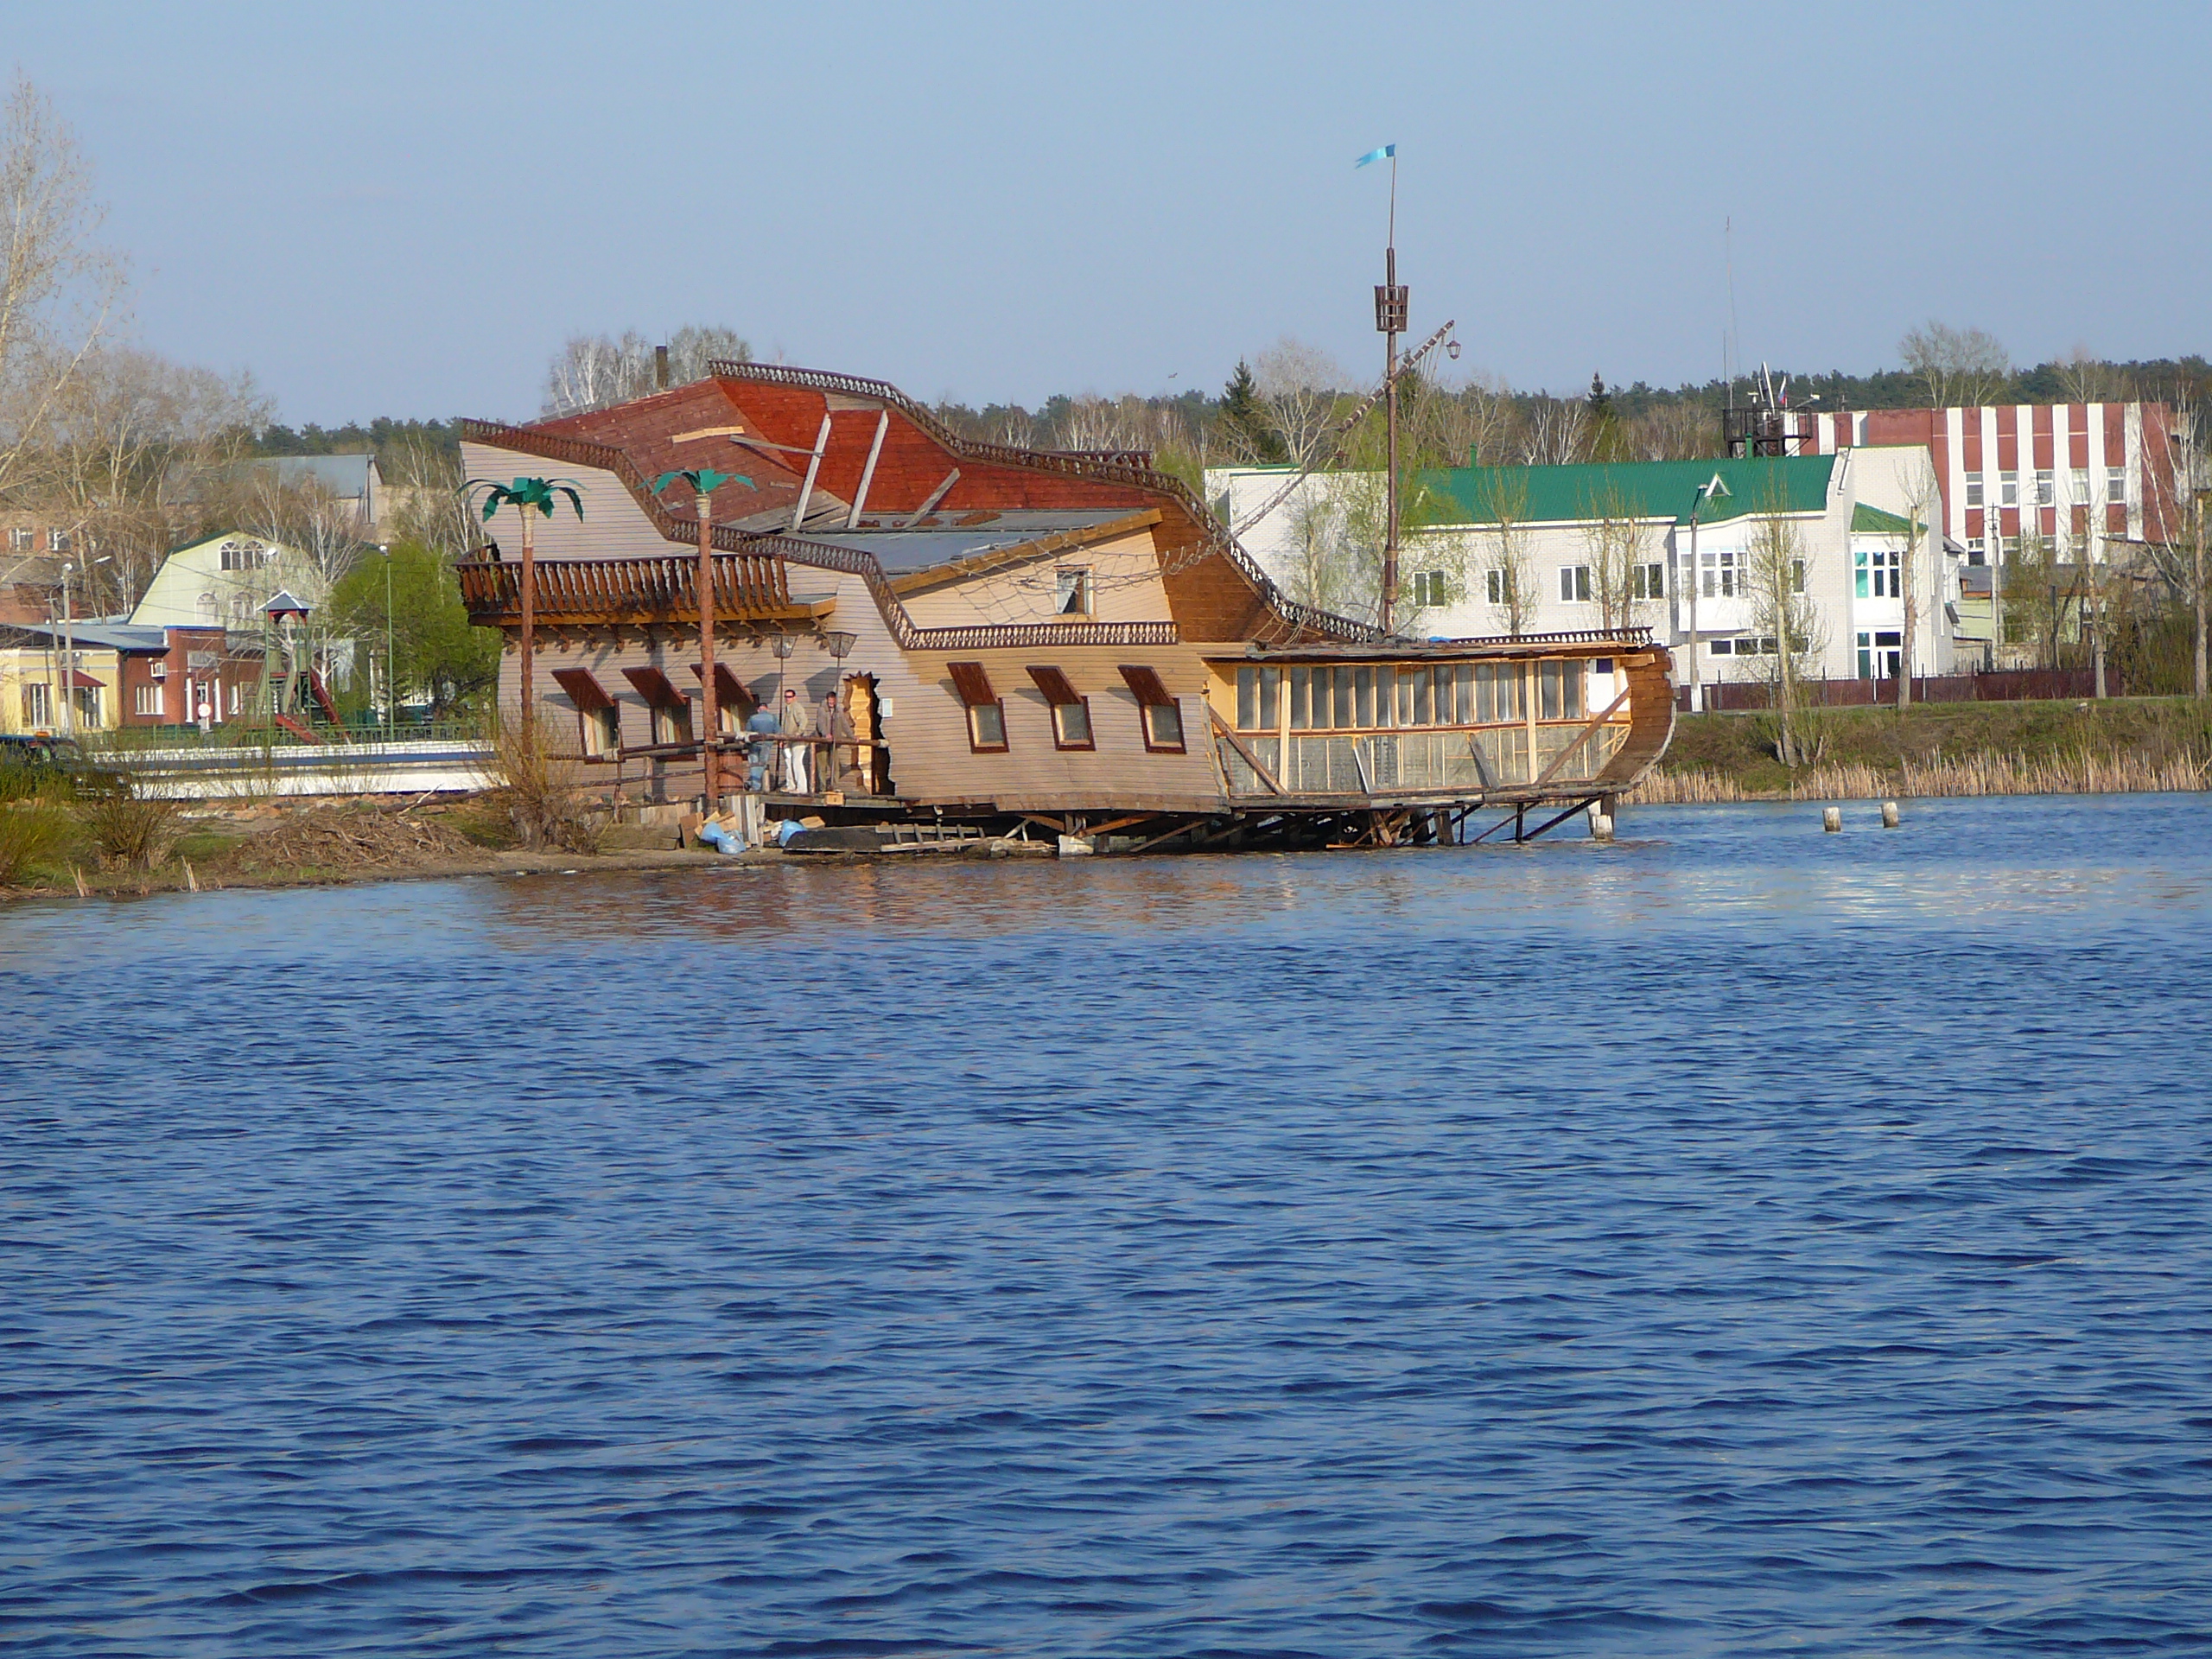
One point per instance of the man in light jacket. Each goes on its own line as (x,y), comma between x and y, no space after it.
(797,722)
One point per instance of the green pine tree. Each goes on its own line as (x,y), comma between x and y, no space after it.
(1244,420)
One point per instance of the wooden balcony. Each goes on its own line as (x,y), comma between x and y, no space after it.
(609,593)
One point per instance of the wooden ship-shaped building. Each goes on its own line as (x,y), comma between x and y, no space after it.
(1011,635)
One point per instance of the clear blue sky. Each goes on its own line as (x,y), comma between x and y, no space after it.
(405,208)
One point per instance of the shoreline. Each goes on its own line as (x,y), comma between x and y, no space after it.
(182,876)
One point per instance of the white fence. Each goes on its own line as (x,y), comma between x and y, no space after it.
(430,766)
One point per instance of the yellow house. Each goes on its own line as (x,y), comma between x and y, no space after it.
(34,677)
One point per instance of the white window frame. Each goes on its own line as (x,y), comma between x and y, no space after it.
(2008,489)
(1973,489)
(1574,584)
(2046,487)
(2116,487)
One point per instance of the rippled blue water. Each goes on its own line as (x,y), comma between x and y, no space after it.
(1737,1240)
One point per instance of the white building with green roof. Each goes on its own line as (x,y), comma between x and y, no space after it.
(1542,549)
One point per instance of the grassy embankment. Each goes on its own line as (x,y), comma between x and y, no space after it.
(67,847)
(1953,748)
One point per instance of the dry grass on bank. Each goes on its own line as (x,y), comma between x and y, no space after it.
(542,786)
(1979,774)
(353,839)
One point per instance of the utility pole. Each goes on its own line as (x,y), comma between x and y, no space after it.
(1390,313)
(1712,486)
(68,657)
(709,702)
(390,684)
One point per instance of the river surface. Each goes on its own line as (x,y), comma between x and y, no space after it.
(1737,1240)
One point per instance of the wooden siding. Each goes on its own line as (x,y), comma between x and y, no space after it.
(1125,587)
(613,525)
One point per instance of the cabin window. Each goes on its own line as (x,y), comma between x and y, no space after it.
(986,713)
(1259,696)
(1498,693)
(672,723)
(986,726)
(1559,690)
(602,731)
(1071,591)
(1162,716)
(1417,695)
(1070,711)
(1574,584)
(599,720)
(1071,726)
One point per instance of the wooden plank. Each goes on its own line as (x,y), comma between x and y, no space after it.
(1238,744)
(1580,739)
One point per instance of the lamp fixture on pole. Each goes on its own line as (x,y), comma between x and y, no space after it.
(1391,307)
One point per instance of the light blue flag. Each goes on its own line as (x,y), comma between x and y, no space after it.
(1387,153)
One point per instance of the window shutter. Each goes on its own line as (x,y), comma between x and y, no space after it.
(729,690)
(972,683)
(1146,685)
(654,687)
(1054,684)
(586,693)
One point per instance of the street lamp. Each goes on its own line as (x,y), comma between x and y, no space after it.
(1712,486)
(69,648)
(390,685)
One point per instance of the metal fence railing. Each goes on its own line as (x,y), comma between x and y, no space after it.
(122,741)
(2014,685)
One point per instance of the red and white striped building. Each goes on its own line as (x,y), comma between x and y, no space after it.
(2090,473)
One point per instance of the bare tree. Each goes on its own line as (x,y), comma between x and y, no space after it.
(1299,387)
(423,484)
(1957,365)
(59,291)
(1508,577)
(1774,582)
(2181,493)
(1613,542)
(2035,603)
(131,434)
(1555,431)
(1678,431)
(593,371)
(2089,379)
(1923,503)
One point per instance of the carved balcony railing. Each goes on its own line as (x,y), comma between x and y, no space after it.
(576,593)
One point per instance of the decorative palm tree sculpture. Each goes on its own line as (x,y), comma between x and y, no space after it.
(704,482)
(522,495)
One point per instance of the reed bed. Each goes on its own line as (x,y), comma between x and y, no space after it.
(2082,773)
